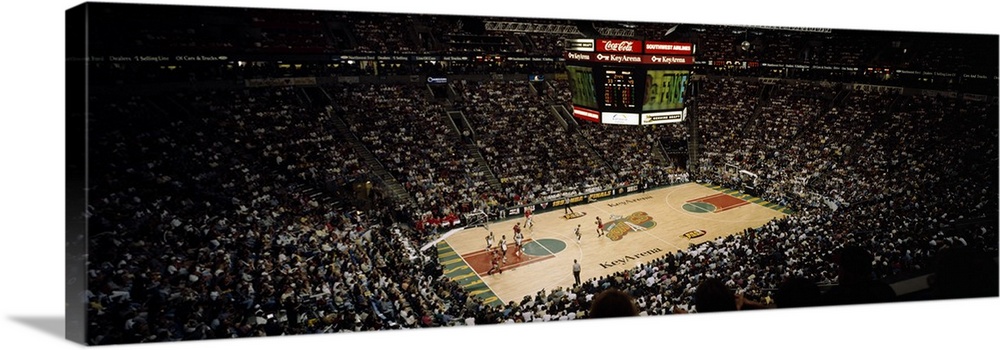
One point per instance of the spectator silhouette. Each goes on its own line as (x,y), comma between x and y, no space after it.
(713,296)
(856,284)
(964,272)
(613,303)
(797,292)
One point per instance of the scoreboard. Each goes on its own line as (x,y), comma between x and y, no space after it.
(631,82)
(619,89)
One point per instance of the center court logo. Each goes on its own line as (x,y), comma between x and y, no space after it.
(638,221)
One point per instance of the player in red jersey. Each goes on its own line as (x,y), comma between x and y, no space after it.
(600,227)
(495,260)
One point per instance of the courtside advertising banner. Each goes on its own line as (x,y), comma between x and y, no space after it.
(620,118)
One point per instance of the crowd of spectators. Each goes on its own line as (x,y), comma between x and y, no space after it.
(719,42)
(889,161)
(202,232)
(532,155)
(412,137)
(381,32)
(724,106)
(843,49)
(829,50)
(284,130)
(290,31)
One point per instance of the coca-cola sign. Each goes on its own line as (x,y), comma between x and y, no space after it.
(633,46)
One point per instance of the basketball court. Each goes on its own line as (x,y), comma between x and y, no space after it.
(639,228)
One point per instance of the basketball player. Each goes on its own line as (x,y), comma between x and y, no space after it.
(528,222)
(577,232)
(517,228)
(496,264)
(503,247)
(489,241)
(518,243)
(600,227)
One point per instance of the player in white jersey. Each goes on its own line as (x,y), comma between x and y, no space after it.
(503,248)
(518,243)
(489,241)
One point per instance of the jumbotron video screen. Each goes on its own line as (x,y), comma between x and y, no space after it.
(581,82)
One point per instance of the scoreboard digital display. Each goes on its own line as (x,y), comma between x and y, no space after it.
(629,82)
(619,89)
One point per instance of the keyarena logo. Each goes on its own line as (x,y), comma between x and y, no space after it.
(630,201)
(578,56)
(625,259)
(619,58)
(658,59)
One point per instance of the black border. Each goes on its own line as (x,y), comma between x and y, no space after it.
(76,172)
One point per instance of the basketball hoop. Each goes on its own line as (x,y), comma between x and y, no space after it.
(476,218)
